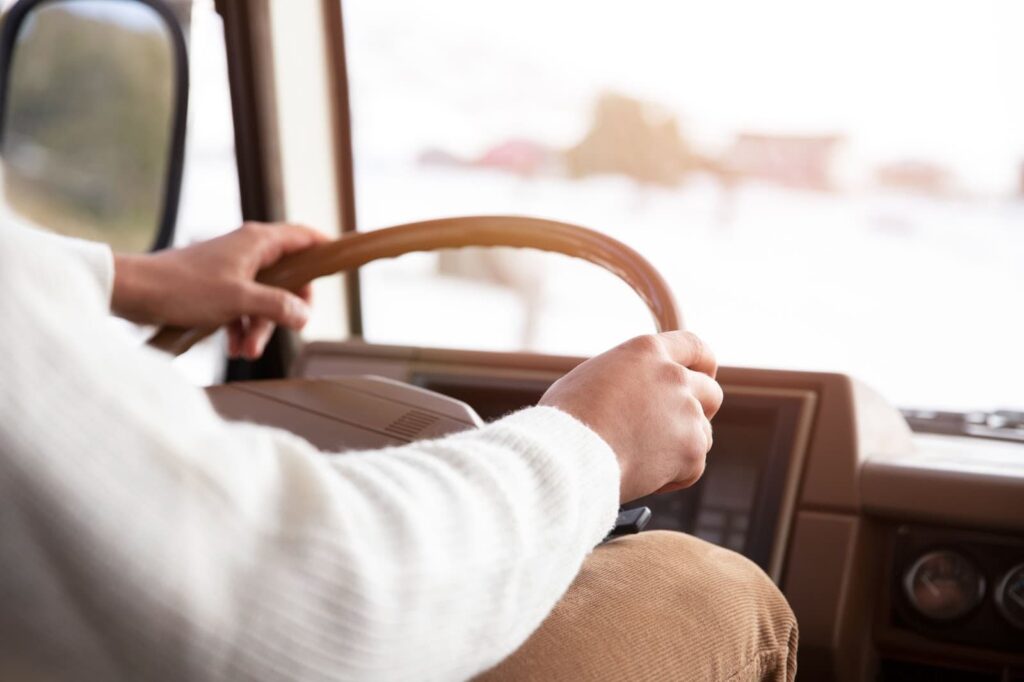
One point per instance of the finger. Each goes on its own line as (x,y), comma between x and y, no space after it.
(709,434)
(672,487)
(306,292)
(256,337)
(707,391)
(688,350)
(704,427)
(278,305)
(236,331)
(279,239)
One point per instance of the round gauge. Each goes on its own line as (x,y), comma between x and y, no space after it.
(944,585)
(1010,596)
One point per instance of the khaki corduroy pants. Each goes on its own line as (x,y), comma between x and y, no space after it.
(662,606)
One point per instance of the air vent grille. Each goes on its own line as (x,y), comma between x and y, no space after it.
(411,424)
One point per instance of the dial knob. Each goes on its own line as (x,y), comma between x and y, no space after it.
(1010,596)
(943,585)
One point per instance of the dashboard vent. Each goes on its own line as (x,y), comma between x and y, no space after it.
(411,424)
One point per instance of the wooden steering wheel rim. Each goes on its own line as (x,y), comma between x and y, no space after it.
(356,249)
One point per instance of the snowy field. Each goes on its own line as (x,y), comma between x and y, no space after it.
(920,298)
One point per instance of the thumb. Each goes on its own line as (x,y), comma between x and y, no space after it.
(279,305)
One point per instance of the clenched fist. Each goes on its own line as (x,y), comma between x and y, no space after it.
(651,399)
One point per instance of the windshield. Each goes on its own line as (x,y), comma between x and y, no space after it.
(826,186)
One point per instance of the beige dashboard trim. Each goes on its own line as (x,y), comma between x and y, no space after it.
(957,480)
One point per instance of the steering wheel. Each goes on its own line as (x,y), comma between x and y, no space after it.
(356,249)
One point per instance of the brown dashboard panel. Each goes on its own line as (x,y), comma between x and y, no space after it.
(344,413)
(949,479)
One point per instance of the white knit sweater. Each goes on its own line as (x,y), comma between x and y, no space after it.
(143,537)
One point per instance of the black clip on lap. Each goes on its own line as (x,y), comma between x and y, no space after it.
(629,522)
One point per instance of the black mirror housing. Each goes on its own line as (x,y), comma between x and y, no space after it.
(93,141)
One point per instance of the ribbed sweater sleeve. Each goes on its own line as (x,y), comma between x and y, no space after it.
(146,538)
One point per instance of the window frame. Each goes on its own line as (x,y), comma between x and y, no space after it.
(248,37)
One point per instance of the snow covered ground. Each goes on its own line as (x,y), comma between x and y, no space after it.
(920,298)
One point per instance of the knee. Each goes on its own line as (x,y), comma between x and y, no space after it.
(663,605)
(724,603)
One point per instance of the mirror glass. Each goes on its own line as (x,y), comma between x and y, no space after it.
(89,118)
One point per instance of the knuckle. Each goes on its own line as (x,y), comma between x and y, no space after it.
(254,229)
(646,344)
(278,302)
(240,299)
(674,373)
(694,470)
(702,352)
(697,344)
(692,407)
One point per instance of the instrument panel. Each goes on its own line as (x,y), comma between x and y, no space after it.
(960,586)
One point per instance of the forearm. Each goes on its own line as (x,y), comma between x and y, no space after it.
(434,560)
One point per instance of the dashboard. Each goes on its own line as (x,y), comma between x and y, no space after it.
(901,554)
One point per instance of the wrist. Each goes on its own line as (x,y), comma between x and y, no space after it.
(573,455)
(132,294)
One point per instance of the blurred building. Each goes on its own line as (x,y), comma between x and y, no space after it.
(435,156)
(919,177)
(633,138)
(801,161)
(520,156)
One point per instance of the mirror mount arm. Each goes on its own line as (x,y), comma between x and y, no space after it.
(176,152)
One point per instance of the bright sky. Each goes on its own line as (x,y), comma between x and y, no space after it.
(937,79)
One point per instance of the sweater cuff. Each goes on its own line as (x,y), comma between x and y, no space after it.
(594,466)
(98,260)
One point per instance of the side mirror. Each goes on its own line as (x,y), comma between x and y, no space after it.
(93,102)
